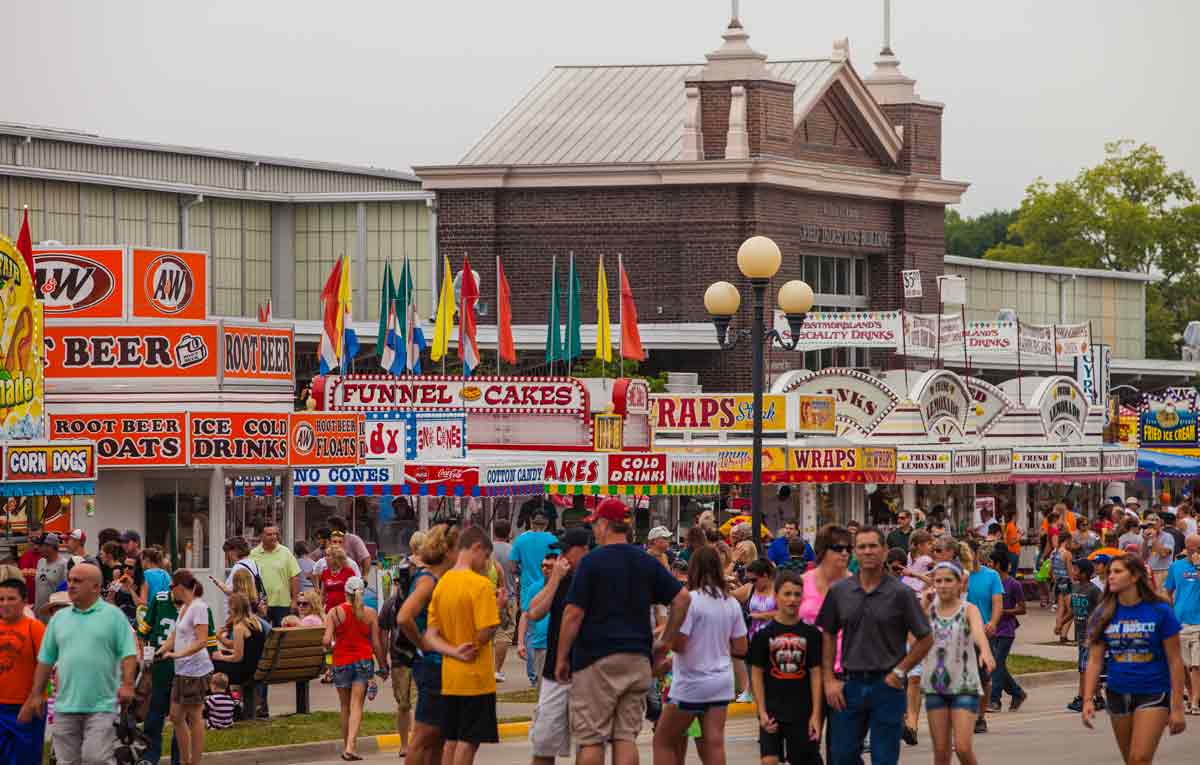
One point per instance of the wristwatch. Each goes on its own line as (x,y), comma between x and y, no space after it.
(899,673)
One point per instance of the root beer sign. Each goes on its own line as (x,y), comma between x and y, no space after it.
(116,351)
(325,439)
(128,440)
(258,353)
(229,438)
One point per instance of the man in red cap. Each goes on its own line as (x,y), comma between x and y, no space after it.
(76,543)
(605,646)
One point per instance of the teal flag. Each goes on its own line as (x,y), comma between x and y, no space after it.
(554,346)
(574,348)
(387,293)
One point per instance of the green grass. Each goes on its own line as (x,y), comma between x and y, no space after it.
(525,696)
(1020,664)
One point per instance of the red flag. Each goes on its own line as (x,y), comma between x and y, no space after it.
(468,349)
(504,338)
(25,243)
(631,338)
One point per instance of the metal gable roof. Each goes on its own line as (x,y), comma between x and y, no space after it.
(617,114)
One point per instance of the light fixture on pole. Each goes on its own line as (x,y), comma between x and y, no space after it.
(758,259)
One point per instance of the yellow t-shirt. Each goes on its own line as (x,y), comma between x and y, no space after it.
(463,604)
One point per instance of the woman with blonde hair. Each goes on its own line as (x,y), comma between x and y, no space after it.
(352,631)
(243,584)
(241,642)
(333,579)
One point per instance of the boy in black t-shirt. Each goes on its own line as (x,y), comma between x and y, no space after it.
(785,674)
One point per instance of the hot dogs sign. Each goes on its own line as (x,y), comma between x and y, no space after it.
(21,383)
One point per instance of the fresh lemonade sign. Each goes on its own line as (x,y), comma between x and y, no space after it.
(21,385)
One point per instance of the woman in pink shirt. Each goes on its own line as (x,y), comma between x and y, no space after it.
(832,547)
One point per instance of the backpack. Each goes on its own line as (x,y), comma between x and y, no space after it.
(258,582)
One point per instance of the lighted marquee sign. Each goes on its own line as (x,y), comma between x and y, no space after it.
(861,401)
(944,402)
(1063,407)
(128,440)
(509,395)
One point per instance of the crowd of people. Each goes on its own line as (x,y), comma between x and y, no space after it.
(841,641)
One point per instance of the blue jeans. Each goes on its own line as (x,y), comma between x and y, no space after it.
(1014,562)
(1002,680)
(871,706)
(156,717)
(20,744)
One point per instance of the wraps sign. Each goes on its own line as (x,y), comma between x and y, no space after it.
(718,411)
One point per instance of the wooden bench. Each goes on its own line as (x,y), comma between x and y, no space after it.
(290,655)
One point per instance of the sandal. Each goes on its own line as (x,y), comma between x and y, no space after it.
(350,757)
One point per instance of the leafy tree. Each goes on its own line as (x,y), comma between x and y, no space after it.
(972,237)
(1129,213)
(593,367)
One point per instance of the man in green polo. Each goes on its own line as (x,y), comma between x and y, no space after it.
(90,644)
(280,574)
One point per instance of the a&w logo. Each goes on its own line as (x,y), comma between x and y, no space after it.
(169,284)
(68,282)
(305,438)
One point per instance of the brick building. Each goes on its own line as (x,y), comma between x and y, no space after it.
(674,166)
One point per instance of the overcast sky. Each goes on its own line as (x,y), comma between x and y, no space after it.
(1031,87)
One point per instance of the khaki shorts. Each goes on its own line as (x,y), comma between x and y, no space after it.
(1189,645)
(550,732)
(608,699)
(402,686)
(506,633)
(189,691)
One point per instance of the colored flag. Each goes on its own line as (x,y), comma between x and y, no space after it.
(387,294)
(25,245)
(468,349)
(573,348)
(331,321)
(392,356)
(554,346)
(346,301)
(603,325)
(631,338)
(414,337)
(504,337)
(445,314)
(264,312)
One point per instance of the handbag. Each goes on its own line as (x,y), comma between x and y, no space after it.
(1043,574)
(140,706)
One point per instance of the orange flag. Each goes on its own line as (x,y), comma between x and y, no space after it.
(631,338)
(504,337)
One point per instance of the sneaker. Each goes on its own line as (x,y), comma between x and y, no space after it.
(1098,703)
(745,698)
(1076,705)
(1017,701)
(980,725)
(499,677)
(993,706)
(909,736)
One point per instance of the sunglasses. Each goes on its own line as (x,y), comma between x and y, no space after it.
(839,548)
(304,605)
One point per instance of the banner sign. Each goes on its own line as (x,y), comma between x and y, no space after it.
(1035,340)
(843,329)
(997,460)
(1039,462)
(81,282)
(50,462)
(952,289)
(324,438)
(132,440)
(258,352)
(832,464)
(1168,418)
(912,284)
(1093,371)
(500,395)
(381,474)
(1117,461)
(968,461)
(114,351)
(437,436)
(1072,339)
(924,461)
(718,411)
(1082,462)
(169,284)
(22,367)
(226,438)
(513,475)
(985,337)
(923,330)
(624,469)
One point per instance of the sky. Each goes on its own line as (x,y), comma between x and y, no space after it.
(1032,88)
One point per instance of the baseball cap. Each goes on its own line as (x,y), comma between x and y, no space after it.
(1133,501)
(658,532)
(51,540)
(575,536)
(78,536)
(355,584)
(611,509)
(131,536)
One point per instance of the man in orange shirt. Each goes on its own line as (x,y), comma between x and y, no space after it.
(1012,540)
(20,641)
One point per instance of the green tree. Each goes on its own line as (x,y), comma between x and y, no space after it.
(594,367)
(972,237)
(1129,213)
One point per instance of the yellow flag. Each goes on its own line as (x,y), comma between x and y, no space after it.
(603,325)
(445,314)
(344,311)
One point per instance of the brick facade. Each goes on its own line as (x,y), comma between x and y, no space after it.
(833,132)
(922,123)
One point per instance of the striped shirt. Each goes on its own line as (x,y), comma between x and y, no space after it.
(218,710)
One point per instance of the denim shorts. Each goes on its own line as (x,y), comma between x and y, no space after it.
(964,701)
(699,707)
(346,675)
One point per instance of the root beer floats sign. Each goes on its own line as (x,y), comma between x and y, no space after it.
(176,439)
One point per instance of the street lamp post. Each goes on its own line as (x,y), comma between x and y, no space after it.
(758,259)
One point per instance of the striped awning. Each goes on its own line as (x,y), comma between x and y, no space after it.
(588,489)
(413,490)
(47,488)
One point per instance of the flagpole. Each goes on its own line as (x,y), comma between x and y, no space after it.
(570,291)
(1054,345)
(1019,394)
(462,304)
(621,314)
(497,315)
(966,359)
(554,310)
